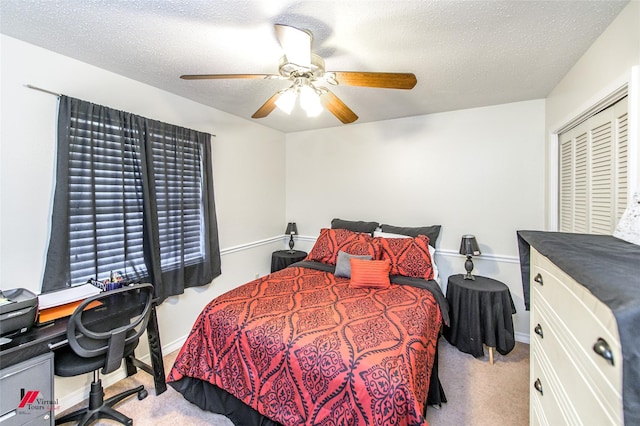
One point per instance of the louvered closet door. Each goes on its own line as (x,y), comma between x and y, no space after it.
(593,172)
(622,160)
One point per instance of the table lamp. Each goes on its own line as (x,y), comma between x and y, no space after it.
(292,229)
(469,247)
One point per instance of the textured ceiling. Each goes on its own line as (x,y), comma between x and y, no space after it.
(464,53)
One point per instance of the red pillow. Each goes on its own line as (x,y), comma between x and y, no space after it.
(369,273)
(363,245)
(408,256)
(331,241)
(326,246)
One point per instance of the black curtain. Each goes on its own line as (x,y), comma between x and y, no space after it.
(133,196)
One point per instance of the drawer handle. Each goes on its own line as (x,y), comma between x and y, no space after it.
(538,331)
(538,279)
(603,349)
(538,385)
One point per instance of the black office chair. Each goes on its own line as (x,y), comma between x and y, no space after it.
(103,330)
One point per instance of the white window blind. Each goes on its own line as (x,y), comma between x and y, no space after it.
(593,172)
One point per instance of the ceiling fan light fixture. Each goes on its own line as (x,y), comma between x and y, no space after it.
(314,110)
(310,101)
(306,69)
(287,101)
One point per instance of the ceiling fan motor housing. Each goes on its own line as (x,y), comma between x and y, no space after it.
(290,70)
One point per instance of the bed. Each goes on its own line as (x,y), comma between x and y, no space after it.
(325,341)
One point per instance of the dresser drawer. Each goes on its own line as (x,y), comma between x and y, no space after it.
(582,317)
(546,404)
(571,321)
(593,399)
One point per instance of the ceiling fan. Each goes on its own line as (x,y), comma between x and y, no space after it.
(309,79)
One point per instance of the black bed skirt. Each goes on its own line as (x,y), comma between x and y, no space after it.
(211,398)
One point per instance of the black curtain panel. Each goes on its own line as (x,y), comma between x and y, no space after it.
(133,198)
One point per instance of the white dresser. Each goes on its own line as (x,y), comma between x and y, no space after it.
(576,358)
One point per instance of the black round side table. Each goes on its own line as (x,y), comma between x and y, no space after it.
(480,313)
(282,258)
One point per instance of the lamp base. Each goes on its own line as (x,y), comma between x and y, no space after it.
(291,250)
(468,265)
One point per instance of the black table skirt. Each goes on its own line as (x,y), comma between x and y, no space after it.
(282,258)
(480,312)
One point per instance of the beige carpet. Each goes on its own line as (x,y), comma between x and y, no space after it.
(478,394)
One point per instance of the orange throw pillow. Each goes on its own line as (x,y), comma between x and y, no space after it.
(370,273)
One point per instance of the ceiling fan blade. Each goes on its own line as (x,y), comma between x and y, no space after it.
(296,44)
(337,107)
(267,107)
(385,80)
(221,76)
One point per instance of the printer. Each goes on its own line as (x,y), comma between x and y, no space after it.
(18,310)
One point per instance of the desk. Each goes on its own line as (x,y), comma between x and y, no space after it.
(480,313)
(47,337)
(282,258)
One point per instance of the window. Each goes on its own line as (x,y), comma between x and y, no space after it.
(178,177)
(594,172)
(133,196)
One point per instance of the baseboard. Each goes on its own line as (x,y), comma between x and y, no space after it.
(523,338)
(82,393)
(174,346)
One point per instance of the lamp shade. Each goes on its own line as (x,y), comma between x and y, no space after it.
(469,246)
(287,100)
(310,101)
(292,229)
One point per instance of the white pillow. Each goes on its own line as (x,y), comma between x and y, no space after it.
(388,235)
(432,250)
(628,227)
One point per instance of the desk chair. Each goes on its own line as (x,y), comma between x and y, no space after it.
(102,331)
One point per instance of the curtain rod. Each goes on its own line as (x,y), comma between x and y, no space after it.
(30,86)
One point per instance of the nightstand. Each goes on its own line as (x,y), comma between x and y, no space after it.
(282,258)
(480,313)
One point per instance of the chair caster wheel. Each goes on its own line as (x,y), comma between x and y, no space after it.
(142,394)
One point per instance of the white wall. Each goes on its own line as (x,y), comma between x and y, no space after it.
(478,171)
(249,189)
(612,60)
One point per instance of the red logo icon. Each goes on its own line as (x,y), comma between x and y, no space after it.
(28,398)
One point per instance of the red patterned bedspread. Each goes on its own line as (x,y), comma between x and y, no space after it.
(303,347)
